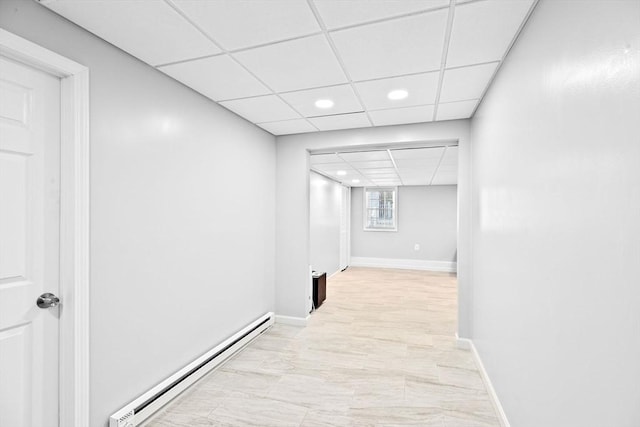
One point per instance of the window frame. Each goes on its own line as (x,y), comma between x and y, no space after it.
(365,222)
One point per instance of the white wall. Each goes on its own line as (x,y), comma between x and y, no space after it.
(556,233)
(182,215)
(292,188)
(325,201)
(427,215)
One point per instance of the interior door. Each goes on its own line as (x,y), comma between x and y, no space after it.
(29,241)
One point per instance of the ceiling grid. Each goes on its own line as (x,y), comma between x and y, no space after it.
(335,52)
(384,167)
(445,50)
(224,51)
(294,66)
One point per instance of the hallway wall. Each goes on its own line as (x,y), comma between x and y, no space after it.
(556,230)
(325,202)
(182,214)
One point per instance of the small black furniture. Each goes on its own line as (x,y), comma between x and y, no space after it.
(319,288)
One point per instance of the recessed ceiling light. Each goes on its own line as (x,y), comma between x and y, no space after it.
(324,103)
(355,181)
(397,94)
(341,173)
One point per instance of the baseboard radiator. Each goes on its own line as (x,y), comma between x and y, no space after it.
(141,409)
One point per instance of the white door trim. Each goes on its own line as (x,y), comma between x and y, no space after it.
(74,221)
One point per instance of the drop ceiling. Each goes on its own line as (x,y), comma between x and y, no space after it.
(269,61)
(390,167)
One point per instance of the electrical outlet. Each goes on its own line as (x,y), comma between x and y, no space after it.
(416,247)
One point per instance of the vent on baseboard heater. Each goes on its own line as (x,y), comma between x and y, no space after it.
(141,409)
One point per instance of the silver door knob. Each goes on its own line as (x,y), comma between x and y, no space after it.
(47,300)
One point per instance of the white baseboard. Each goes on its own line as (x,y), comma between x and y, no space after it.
(404,264)
(333,274)
(293,321)
(467,344)
(463,343)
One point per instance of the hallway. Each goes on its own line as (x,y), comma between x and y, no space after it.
(379,352)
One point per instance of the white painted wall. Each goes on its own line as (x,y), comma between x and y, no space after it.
(427,215)
(292,188)
(556,232)
(182,215)
(325,201)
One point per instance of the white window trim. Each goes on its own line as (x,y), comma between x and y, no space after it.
(395,209)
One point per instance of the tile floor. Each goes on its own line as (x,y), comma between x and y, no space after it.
(379,352)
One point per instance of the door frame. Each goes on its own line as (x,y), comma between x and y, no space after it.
(74,221)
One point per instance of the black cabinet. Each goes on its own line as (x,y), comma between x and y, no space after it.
(319,288)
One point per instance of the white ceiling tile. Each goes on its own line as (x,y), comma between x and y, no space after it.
(413,173)
(361,184)
(379,178)
(148,29)
(416,181)
(349,173)
(365,156)
(448,169)
(422,177)
(348,179)
(293,65)
(401,46)
(239,24)
(324,158)
(372,164)
(288,127)
(341,121)
(461,84)
(416,172)
(390,183)
(445,179)
(217,77)
(261,109)
(418,153)
(456,110)
(345,100)
(421,88)
(336,13)
(417,163)
(379,172)
(482,31)
(450,156)
(397,116)
(384,178)
(332,166)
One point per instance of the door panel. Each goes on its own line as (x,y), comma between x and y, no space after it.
(15,351)
(29,245)
(13,246)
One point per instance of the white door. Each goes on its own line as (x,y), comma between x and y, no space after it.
(345,225)
(29,240)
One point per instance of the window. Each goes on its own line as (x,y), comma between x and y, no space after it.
(380,209)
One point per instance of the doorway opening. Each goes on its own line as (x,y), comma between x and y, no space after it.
(383,206)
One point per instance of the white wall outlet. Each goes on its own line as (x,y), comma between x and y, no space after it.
(416,247)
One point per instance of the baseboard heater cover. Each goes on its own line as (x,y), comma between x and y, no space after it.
(142,408)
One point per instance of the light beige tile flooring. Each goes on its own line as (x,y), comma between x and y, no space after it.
(379,352)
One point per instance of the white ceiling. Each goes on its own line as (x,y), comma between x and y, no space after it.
(390,167)
(270,60)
